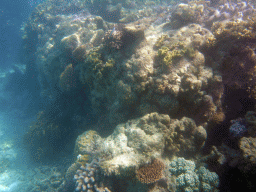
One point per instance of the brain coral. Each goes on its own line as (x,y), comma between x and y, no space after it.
(151,172)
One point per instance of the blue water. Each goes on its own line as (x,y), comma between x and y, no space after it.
(15,95)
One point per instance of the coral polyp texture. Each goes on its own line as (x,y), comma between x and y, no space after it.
(152,172)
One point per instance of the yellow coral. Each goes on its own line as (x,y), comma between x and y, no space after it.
(167,55)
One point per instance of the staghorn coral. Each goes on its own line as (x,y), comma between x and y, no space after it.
(152,172)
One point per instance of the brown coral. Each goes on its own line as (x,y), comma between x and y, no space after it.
(152,172)
(186,139)
(248,147)
(236,53)
(67,78)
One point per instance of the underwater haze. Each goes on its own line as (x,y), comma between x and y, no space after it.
(127,95)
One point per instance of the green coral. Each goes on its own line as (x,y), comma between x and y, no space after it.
(181,165)
(209,181)
(168,55)
(190,179)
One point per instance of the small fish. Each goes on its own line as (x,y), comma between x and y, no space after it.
(111,33)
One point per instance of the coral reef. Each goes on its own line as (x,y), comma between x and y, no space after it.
(129,150)
(186,14)
(152,172)
(126,65)
(88,178)
(186,138)
(235,54)
(68,79)
(229,11)
(238,128)
(154,76)
(188,178)
(247,146)
(45,138)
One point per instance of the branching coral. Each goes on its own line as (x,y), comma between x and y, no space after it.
(89,178)
(168,55)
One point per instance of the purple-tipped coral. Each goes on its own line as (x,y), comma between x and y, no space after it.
(238,128)
(88,178)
